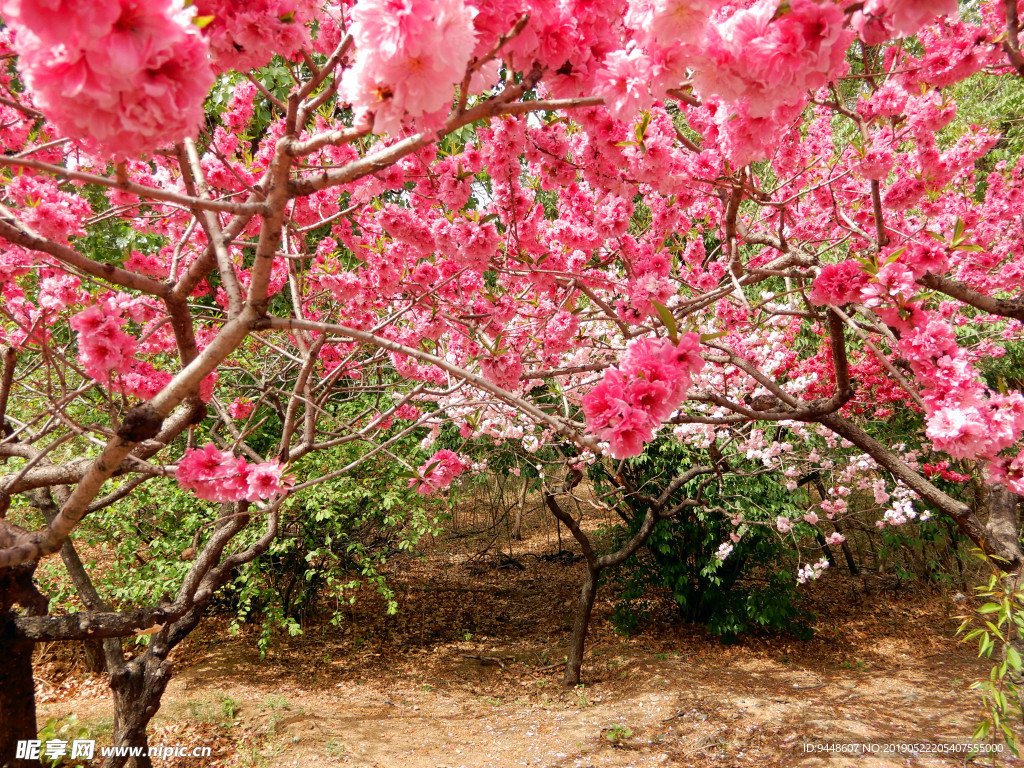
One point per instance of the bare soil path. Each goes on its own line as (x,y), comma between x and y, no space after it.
(462,677)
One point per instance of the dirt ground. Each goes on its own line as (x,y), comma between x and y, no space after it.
(465,676)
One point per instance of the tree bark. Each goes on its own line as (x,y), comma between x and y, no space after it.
(138,687)
(1002,525)
(517,526)
(17,695)
(95,661)
(578,637)
(17,685)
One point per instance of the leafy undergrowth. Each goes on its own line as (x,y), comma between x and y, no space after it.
(466,674)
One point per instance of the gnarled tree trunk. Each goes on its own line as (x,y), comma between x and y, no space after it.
(17,685)
(17,694)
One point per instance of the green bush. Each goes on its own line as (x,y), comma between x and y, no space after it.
(753,587)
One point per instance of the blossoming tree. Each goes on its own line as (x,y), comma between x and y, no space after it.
(571,224)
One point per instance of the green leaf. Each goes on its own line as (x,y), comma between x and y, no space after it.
(958,231)
(668,320)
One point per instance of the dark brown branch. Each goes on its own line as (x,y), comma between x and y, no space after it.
(1012,308)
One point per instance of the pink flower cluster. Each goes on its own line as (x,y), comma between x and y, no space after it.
(103,348)
(771,54)
(880,20)
(964,419)
(244,34)
(216,475)
(125,75)
(438,472)
(838,284)
(240,408)
(632,400)
(410,55)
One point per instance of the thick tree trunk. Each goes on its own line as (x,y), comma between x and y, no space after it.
(1003,525)
(137,687)
(17,685)
(578,637)
(17,695)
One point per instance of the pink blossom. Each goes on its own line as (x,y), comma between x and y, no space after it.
(669,22)
(438,472)
(959,431)
(894,282)
(409,56)
(783,524)
(103,348)
(838,284)
(264,480)
(632,400)
(769,56)
(216,475)
(240,408)
(503,370)
(62,21)
(127,80)
(624,81)
(244,34)
(881,19)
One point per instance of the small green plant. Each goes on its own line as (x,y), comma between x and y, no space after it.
(66,729)
(228,709)
(581,696)
(1002,627)
(617,733)
(275,701)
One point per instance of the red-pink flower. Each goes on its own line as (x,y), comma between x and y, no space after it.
(216,475)
(264,481)
(770,55)
(409,56)
(632,400)
(240,408)
(838,284)
(126,79)
(438,472)
(103,348)
(625,83)
(244,34)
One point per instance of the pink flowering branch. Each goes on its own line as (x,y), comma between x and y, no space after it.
(147,193)
(16,232)
(559,425)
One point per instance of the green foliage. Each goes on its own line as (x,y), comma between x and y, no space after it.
(1001,620)
(754,587)
(66,729)
(336,538)
(617,733)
